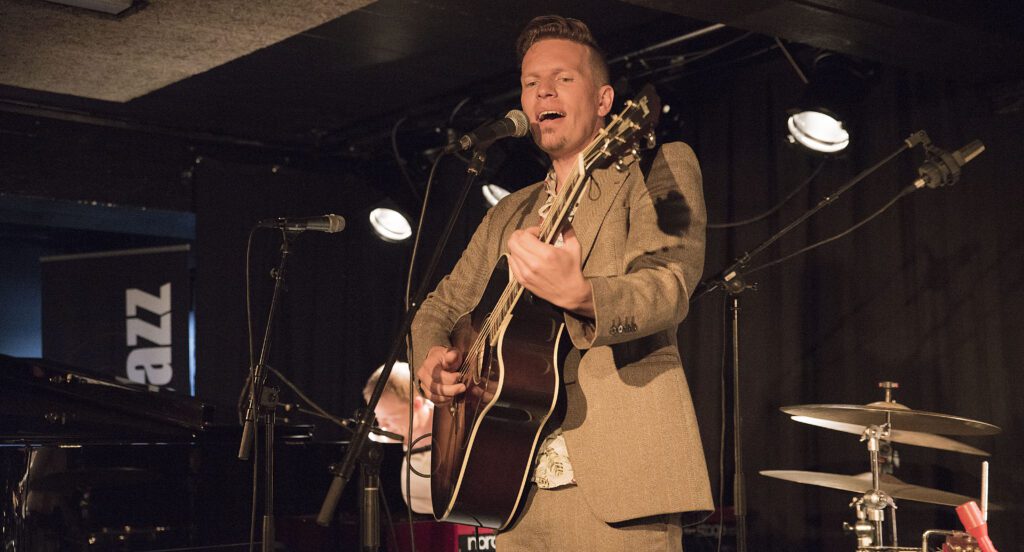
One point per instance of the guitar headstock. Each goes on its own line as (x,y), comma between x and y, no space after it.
(629,132)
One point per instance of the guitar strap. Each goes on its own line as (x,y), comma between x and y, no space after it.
(647,160)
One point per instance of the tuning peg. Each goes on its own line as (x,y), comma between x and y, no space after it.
(652,140)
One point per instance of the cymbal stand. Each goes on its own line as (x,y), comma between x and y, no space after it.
(862,528)
(871,506)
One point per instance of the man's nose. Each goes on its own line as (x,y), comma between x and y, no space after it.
(546,88)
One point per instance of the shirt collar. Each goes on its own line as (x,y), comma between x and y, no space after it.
(551,181)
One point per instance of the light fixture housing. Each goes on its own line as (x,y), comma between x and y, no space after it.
(818,129)
(493,193)
(390,225)
(821,121)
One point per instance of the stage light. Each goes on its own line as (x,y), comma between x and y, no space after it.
(493,193)
(390,225)
(820,121)
(818,130)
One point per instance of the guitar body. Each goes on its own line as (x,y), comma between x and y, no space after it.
(485,440)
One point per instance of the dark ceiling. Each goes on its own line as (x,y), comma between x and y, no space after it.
(351,78)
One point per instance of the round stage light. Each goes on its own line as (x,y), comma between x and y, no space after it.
(818,130)
(493,193)
(390,225)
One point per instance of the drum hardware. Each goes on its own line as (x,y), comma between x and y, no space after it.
(879,425)
(955,541)
(862,529)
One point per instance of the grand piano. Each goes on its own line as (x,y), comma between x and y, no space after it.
(88,462)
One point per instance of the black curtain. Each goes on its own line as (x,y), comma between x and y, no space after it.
(926,295)
(341,297)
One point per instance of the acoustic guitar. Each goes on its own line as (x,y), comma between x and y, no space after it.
(513,345)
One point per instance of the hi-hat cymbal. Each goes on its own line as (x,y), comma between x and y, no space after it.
(898,436)
(899,416)
(862,484)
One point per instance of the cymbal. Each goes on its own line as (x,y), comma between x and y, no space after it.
(862,484)
(899,416)
(898,436)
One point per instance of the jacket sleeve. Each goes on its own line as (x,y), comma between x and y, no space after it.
(664,255)
(456,294)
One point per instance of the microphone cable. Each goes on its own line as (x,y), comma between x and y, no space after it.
(904,192)
(772,210)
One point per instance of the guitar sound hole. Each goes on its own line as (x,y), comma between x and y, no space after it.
(513,415)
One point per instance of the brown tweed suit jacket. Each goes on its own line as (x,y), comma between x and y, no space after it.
(630,427)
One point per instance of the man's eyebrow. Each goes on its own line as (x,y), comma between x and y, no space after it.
(552,71)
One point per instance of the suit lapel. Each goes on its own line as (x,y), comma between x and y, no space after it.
(597,200)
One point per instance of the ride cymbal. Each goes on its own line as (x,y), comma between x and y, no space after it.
(898,436)
(862,484)
(900,417)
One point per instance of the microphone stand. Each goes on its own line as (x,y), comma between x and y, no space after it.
(262,403)
(364,422)
(733,282)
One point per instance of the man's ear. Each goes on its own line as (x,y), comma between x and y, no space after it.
(605,97)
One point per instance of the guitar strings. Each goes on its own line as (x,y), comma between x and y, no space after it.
(564,203)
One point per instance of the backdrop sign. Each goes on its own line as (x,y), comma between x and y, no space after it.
(124,313)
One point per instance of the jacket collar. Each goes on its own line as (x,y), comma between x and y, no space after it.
(602,188)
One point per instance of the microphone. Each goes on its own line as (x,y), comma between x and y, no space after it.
(323,223)
(514,124)
(942,168)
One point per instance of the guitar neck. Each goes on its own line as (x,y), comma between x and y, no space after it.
(609,144)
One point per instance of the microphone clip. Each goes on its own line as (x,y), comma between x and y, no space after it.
(939,169)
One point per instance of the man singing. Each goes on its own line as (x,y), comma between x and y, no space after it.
(627,460)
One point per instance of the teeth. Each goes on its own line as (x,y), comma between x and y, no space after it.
(544,115)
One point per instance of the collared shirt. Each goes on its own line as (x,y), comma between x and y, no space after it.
(552,468)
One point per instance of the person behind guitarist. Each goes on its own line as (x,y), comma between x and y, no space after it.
(393,414)
(627,460)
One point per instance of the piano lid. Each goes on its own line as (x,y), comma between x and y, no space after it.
(43,399)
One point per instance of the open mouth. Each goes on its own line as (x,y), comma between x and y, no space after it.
(549,116)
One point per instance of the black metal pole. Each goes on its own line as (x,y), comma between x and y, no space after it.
(739,487)
(268,471)
(258,373)
(364,422)
(369,475)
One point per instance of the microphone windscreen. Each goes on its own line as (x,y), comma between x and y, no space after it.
(521,122)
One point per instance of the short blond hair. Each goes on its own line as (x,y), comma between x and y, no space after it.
(547,27)
(398,382)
